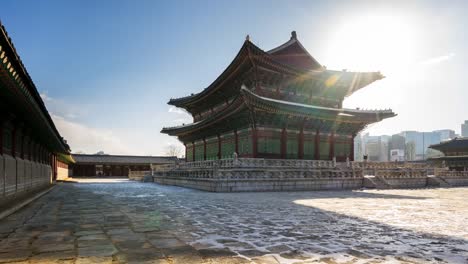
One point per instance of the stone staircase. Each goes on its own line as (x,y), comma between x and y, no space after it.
(375,182)
(436,181)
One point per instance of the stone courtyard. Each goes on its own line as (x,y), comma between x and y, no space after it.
(119,221)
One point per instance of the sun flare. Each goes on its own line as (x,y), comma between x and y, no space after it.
(373,42)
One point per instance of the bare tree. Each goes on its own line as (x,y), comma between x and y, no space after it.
(173,150)
(410,151)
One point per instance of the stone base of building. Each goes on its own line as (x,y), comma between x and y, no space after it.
(259,175)
(261,185)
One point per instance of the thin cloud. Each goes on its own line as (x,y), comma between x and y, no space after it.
(87,139)
(176,110)
(439,59)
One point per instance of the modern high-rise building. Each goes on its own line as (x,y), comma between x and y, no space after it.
(445,134)
(464,129)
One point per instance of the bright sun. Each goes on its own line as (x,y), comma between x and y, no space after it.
(373,42)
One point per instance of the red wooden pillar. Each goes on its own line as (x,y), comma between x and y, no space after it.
(254,142)
(351,155)
(219,146)
(300,153)
(236,139)
(317,145)
(193,150)
(55,166)
(204,149)
(332,145)
(284,138)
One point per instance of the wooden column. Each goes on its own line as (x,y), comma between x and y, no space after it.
(317,145)
(351,154)
(332,145)
(236,139)
(284,139)
(55,166)
(219,146)
(185,145)
(254,143)
(204,148)
(193,151)
(300,153)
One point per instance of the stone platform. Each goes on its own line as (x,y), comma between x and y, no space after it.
(246,174)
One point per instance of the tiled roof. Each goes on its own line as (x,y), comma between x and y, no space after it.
(122,159)
(456,143)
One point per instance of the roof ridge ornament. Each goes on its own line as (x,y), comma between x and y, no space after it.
(293,35)
(247,38)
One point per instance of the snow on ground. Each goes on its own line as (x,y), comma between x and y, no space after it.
(391,226)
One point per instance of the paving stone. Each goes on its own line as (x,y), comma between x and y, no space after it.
(52,256)
(53,247)
(19,255)
(97,251)
(167,243)
(88,232)
(90,260)
(186,226)
(265,260)
(217,252)
(92,237)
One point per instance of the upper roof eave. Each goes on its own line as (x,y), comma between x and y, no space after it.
(345,114)
(21,70)
(358,81)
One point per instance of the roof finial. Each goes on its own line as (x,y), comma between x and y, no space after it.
(247,37)
(293,35)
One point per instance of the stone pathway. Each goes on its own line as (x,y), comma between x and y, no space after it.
(129,222)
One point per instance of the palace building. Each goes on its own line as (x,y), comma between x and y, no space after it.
(278,104)
(115,165)
(32,152)
(455,153)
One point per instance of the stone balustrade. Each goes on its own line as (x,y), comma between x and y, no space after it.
(401,173)
(389,165)
(254,163)
(248,174)
(444,172)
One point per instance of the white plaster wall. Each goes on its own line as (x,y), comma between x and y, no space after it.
(62,173)
(36,177)
(20,175)
(10,171)
(27,174)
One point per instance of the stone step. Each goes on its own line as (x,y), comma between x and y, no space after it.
(433,180)
(375,182)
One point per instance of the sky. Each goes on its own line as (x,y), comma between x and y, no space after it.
(106,69)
